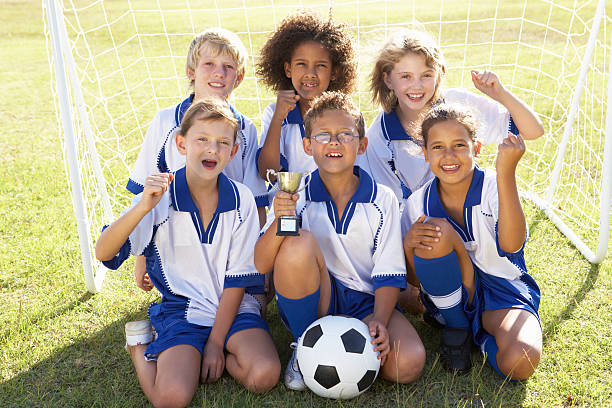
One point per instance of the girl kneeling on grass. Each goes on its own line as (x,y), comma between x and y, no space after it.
(465,249)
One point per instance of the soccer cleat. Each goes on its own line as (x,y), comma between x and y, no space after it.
(138,332)
(293,378)
(456,350)
(431,320)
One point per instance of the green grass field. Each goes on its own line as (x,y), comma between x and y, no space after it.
(62,347)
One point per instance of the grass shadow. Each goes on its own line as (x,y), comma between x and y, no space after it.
(587,285)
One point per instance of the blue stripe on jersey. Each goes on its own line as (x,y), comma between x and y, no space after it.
(229,200)
(397,281)
(512,127)
(365,193)
(294,117)
(434,208)
(134,187)
(406,192)
(243,281)
(392,128)
(122,255)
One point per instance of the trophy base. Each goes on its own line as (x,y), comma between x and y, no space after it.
(288,227)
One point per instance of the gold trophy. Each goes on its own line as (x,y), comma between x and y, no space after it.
(289,182)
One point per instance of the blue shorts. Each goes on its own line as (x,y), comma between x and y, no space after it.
(493,293)
(173,329)
(349,302)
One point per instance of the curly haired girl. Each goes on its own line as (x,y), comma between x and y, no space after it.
(306,56)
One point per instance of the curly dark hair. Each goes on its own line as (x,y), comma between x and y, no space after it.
(307,25)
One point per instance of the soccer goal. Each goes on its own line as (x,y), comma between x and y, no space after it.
(115,64)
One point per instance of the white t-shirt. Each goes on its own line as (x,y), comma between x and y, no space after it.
(363,249)
(190,263)
(480,215)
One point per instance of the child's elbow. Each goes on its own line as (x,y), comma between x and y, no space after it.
(536,132)
(100,253)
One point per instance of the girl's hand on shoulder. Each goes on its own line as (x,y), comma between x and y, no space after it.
(509,152)
(488,83)
(285,103)
(284,204)
(422,234)
(380,335)
(213,362)
(154,188)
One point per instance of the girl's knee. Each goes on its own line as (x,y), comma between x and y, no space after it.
(520,360)
(445,244)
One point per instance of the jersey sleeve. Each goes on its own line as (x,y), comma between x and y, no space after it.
(252,178)
(493,119)
(140,237)
(146,163)
(241,270)
(266,118)
(388,257)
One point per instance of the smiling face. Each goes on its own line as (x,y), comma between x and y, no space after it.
(310,69)
(334,157)
(450,152)
(413,82)
(215,74)
(208,147)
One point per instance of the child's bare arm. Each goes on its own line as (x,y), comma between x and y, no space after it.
(112,238)
(385,299)
(269,243)
(420,235)
(269,157)
(511,223)
(525,119)
(213,360)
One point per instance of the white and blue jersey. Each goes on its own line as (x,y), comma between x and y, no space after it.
(159,153)
(191,263)
(480,216)
(394,158)
(363,249)
(292,155)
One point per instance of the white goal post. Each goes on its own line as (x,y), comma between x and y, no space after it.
(115,64)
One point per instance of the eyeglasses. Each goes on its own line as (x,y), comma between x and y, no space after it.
(342,137)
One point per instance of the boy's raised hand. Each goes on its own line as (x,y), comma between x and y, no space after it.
(284,204)
(488,83)
(380,335)
(154,188)
(285,103)
(421,234)
(509,152)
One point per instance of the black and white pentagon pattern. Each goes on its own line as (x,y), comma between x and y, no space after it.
(326,376)
(312,336)
(353,341)
(367,380)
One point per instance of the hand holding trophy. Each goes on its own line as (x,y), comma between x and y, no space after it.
(288,182)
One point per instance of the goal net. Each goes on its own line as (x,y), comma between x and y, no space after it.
(115,64)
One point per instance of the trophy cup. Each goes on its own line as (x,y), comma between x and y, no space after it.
(289,182)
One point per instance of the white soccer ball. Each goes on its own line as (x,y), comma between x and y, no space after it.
(336,357)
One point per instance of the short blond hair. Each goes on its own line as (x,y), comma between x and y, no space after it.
(408,42)
(209,109)
(220,41)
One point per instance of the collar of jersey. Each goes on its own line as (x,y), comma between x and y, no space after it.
(392,128)
(365,193)
(434,207)
(181,197)
(294,117)
(182,107)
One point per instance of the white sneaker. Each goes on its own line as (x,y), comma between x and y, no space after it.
(293,377)
(138,332)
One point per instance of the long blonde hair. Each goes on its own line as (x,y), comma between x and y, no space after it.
(407,42)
